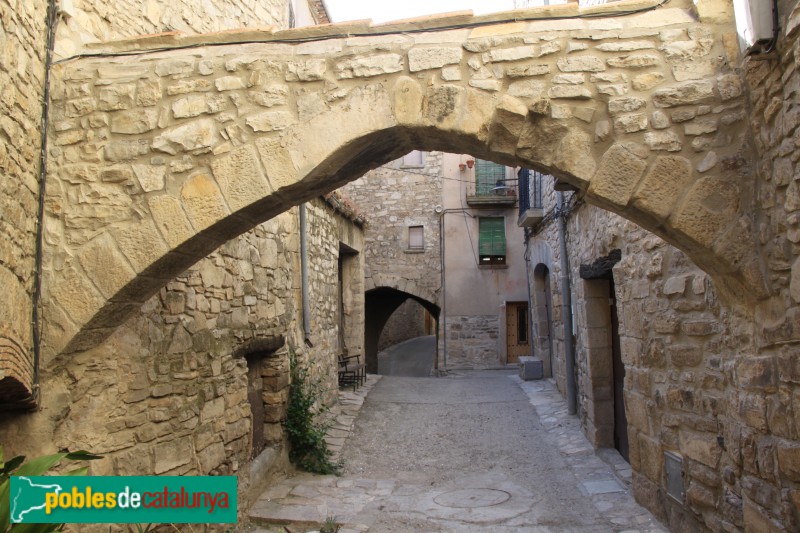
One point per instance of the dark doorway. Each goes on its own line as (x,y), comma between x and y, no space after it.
(620,419)
(543,318)
(255,393)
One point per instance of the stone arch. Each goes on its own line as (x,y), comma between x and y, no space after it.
(162,156)
(385,293)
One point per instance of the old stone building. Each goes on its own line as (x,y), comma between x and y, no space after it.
(195,381)
(162,149)
(445,228)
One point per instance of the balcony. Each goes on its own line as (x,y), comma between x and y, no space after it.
(531,210)
(491,187)
(502,196)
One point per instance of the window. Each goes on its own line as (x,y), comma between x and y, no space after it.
(415,159)
(492,240)
(416,238)
(489,177)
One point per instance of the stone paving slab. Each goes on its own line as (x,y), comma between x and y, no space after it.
(605,473)
(306,500)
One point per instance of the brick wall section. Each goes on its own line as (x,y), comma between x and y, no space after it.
(167,392)
(22,56)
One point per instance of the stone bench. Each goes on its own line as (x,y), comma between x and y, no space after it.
(530,368)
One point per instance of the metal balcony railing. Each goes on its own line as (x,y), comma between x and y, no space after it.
(530,197)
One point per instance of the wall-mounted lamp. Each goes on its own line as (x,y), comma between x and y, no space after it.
(462,167)
(470,162)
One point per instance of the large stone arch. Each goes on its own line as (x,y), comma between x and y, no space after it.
(158,157)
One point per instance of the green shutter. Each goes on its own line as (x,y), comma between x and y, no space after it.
(492,236)
(487,174)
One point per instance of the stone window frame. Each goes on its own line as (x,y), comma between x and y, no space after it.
(412,246)
(413,159)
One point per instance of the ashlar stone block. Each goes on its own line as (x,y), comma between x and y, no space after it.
(111,270)
(686,93)
(661,186)
(634,61)
(196,137)
(581,64)
(364,67)
(433,57)
(618,174)
(630,123)
(708,207)
(141,243)
(203,200)
(271,121)
(170,219)
(134,122)
(240,177)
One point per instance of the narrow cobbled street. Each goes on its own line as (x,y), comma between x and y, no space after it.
(473,451)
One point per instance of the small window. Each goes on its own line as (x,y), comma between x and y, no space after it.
(490,178)
(522,324)
(415,159)
(416,238)
(492,240)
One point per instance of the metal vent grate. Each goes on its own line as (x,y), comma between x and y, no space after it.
(673,466)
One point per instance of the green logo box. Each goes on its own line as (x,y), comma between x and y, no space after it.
(123,499)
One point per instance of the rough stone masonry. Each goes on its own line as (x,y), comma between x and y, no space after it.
(158,157)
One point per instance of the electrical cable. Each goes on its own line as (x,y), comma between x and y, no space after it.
(36,296)
(300,40)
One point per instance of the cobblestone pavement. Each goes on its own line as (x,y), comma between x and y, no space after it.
(585,491)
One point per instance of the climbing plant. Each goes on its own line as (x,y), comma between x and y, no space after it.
(304,422)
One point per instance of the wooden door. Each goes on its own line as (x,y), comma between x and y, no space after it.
(517,334)
(620,419)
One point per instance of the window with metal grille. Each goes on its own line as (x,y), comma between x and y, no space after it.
(492,240)
(416,238)
(489,177)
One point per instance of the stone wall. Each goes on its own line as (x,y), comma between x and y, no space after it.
(698,382)
(394,197)
(167,393)
(23,40)
(407,322)
(87,21)
(705,378)
(473,341)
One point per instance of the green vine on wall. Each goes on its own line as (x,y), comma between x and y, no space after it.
(304,425)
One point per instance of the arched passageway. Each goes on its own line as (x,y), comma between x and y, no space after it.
(380,304)
(165,155)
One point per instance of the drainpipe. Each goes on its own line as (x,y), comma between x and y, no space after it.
(530,298)
(304,275)
(443,308)
(52,22)
(566,305)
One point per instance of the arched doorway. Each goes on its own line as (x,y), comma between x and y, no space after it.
(543,318)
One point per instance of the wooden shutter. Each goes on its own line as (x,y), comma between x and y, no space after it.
(487,176)
(492,236)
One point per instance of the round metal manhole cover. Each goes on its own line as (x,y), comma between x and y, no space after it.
(471,498)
